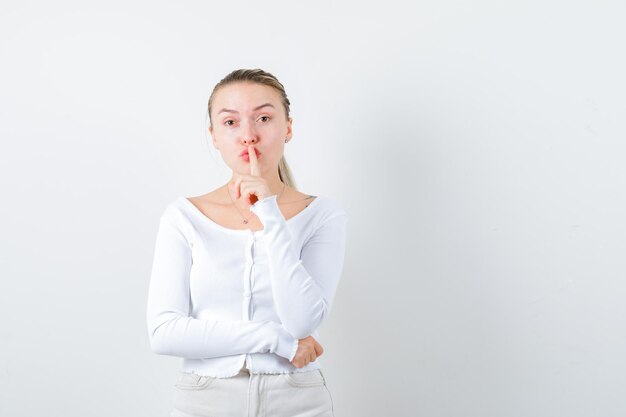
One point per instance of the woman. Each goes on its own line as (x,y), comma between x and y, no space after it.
(244,275)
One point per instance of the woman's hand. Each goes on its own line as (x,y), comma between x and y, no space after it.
(253,187)
(308,351)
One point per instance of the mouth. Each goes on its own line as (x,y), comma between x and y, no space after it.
(245,153)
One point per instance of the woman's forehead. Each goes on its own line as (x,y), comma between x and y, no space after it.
(247,93)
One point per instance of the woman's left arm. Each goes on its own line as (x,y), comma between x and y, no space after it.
(303,285)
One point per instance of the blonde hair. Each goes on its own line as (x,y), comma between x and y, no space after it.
(265,78)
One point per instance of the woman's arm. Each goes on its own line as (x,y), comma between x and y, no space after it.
(173,332)
(303,284)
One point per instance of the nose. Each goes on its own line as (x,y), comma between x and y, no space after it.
(249,135)
(249,140)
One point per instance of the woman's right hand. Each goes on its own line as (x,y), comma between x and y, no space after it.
(308,351)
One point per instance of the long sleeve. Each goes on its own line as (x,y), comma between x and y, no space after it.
(173,332)
(303,285)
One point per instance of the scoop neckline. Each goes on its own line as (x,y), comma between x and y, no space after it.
(241,231)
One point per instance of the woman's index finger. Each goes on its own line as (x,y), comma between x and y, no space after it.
(254,167)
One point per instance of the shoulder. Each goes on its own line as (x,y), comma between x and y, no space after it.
(174,223)
(176,212)
(323,205)
(329,207)
(332,204)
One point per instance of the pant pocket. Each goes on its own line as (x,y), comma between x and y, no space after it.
(299,394)
(191,381)
(312,378)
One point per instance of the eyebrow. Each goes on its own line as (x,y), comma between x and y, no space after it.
(256,108)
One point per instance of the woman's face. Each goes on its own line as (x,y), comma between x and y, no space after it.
(249,114)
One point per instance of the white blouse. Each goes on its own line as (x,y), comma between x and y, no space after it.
(225,298)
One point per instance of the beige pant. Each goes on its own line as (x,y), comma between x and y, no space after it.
(298,394)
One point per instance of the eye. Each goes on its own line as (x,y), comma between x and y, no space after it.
(265,116)
(228,121)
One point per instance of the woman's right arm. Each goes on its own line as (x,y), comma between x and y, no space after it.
(173,332)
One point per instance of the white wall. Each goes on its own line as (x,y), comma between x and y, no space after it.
(478,147)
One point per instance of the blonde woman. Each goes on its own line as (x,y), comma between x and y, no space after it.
(244,275)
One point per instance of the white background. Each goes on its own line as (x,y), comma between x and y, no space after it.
(478,148)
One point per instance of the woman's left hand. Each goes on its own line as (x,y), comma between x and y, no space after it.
(253,187)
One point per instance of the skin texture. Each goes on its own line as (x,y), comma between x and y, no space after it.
(264,130)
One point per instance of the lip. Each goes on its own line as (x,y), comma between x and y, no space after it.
(245,152)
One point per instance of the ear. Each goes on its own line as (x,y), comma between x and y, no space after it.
(289,129)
